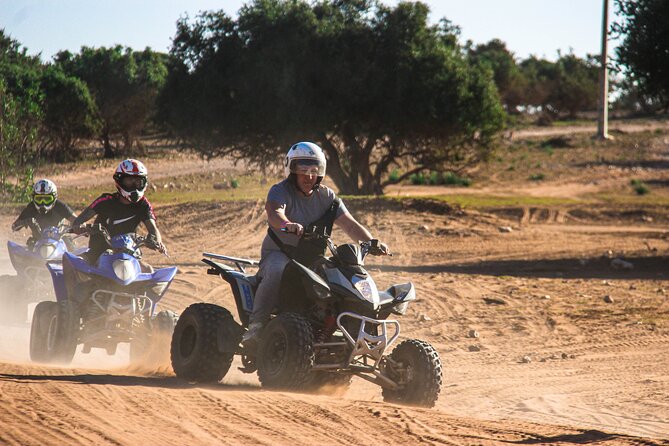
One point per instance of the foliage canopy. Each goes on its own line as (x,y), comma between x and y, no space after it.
(643,55)
(375,86)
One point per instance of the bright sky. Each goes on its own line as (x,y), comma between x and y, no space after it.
(538,27)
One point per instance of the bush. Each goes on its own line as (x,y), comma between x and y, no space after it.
(394,176)
(537,177)
(234,183)
(639,187)
(453,179)
(417,179)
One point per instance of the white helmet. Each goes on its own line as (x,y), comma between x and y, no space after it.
(44,195)
(304,155)
(131,179)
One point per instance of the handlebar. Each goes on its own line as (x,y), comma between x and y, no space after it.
(148,241)
(372,247)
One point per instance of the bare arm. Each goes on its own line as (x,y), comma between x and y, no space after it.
(359,233)
(153,231)
(277,219)
(352,228)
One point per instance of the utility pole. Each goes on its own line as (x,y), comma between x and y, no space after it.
(603,103)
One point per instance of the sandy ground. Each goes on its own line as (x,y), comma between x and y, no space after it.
(551,362)
(554,363)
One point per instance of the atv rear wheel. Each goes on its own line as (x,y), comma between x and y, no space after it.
(194,350)
(416,367)
(43,332)
(286,352)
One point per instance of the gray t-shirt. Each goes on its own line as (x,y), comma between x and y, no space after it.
(299,209)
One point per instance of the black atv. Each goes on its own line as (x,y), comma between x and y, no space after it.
(331,323)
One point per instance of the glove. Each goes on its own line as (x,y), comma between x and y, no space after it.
(378,248)
(18,224)
(153,243)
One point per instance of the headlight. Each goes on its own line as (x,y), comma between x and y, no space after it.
(125,269)
(46,251)
(368,289)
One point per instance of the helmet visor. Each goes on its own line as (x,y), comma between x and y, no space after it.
(132,182)
(44,199)
(307,167)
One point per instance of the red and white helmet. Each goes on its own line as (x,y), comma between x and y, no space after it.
(44,195)
(131,179)
(305,154)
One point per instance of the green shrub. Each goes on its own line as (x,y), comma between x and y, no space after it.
(537,177)
(394,176)
(454,179)
(417,178)
(234,183)
(639,186)
(435,178)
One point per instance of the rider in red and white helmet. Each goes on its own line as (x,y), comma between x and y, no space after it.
(131,179)
(123,211)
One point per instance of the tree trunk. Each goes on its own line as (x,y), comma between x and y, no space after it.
(106,143)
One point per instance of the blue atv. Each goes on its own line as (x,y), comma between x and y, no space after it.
(32,282)
(103,304)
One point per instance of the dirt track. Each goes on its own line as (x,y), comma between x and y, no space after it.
(553,362)
(597,371)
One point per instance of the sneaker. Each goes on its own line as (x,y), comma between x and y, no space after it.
(252,335)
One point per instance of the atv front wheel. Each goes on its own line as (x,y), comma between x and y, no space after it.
(68,324)
(194,352)
(286,352)
(43,332)
(54,332)
(416,368)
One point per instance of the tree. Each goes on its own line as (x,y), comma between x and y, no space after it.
(566,86)
(643,55)
(509,80)
(375,86)
(576,84)
(124,85)
(20,115)
(69,114)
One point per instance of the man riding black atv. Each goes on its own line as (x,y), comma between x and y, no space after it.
(312,320)
(293,205)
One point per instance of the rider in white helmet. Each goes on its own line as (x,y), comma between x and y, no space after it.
(292,205)
(44,207)
(121,212)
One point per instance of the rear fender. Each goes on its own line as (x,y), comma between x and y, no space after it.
(243,287)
